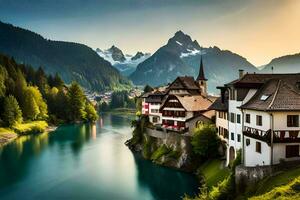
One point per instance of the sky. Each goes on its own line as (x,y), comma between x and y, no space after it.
(259,30)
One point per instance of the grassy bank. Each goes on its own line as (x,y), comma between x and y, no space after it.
(285,191)
(9,134)
(213,172)
(6,135)
(276,184)
(30,127)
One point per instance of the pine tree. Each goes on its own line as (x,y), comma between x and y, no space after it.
(3,77)
(57,81)
(12,113)
(76,100)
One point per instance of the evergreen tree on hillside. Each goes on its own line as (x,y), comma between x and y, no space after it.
(34,105)
(76,102)
(57,81)
(3,77)
(41,80)
(11,112)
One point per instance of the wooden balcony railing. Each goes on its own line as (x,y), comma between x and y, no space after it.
(279,136)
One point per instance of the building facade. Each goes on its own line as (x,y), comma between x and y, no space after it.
(263,118)
(182,105)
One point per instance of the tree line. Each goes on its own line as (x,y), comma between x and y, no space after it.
(119,99)
(27,94)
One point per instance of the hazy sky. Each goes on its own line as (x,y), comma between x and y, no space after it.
(256,29)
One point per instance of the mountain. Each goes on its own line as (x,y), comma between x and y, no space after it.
(126,64)
(284,64)
(71,60)
(181,56)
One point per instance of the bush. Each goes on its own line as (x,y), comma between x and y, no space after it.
(206,142)
(30,128)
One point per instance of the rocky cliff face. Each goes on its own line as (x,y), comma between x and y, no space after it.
(167,149)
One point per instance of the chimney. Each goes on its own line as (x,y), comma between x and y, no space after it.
(241,73)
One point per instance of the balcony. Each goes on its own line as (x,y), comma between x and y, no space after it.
(279,136)
(170,128)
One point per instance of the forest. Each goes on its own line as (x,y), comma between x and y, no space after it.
(30,99)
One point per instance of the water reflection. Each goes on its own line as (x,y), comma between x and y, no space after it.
(164,183)
(86,161)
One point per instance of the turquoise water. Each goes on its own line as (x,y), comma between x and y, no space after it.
(86,162)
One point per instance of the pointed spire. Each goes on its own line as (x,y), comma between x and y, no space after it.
(201,75)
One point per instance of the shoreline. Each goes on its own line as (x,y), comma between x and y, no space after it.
(6,138)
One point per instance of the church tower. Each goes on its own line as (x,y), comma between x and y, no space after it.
(202,81)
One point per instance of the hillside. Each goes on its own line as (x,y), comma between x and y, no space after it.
(181,56)
(284,64)
(71,60)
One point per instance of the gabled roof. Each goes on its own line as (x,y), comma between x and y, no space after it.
(193,103)
(184,82)
(282,93)
(256,80)
(219,105)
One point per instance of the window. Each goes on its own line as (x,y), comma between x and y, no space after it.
(232,117)
(239,137)
(258,147)
(232,136)
(248,118)
(291,151)
(258,120)
(293,121)
(247,142)
(238,118)
(220,114)
(155,119)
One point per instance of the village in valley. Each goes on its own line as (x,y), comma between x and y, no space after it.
(150,100)
(256,117)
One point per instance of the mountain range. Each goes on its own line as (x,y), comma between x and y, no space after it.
(181,56)
(126,64)
(72,61)
(106,69)
(284,64)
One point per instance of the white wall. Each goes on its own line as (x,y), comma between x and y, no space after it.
(279,152)
(235,127)
(253,158)
(266,120)
(280,120)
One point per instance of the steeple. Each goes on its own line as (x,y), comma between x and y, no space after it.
(201,75)
(202,80)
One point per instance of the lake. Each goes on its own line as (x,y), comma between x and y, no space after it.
(85,161)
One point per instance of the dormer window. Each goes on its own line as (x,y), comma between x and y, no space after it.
(264,97)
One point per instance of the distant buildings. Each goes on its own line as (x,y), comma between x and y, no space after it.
(259,115)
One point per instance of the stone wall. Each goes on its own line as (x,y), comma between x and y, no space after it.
(251,175)
(245,176)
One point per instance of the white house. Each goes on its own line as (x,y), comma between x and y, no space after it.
(263,118)
(151,103)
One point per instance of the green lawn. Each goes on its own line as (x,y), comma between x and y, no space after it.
(282,178)
(213,172)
